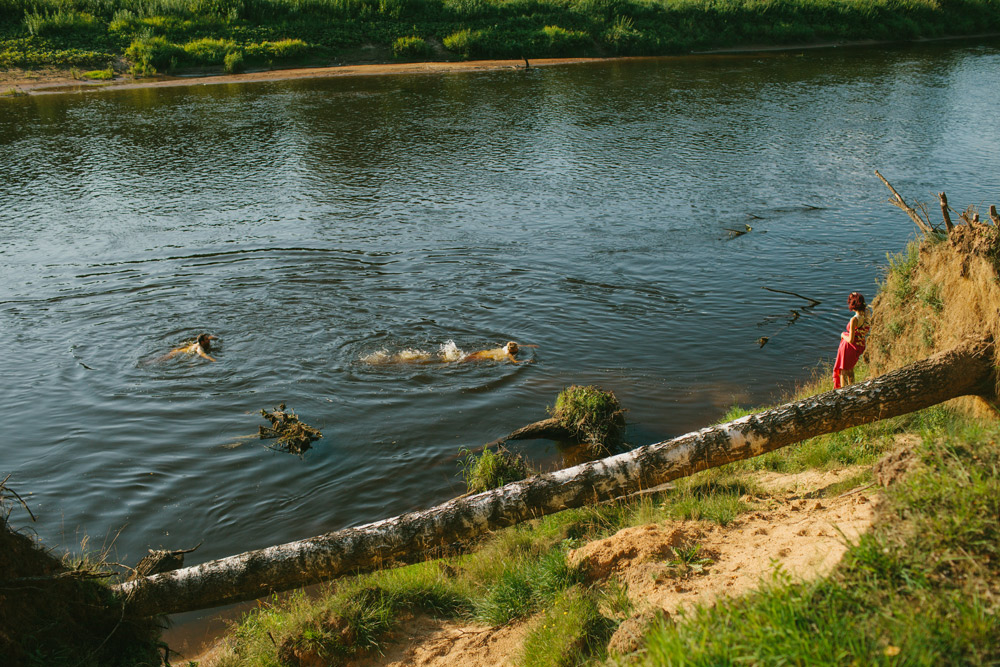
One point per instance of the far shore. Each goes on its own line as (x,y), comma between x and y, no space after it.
(51,81)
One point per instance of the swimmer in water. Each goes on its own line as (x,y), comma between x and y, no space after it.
(505,353)
(201,346)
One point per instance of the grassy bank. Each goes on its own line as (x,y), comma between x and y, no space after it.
(152,36)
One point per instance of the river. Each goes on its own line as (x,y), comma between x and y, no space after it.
(312,224)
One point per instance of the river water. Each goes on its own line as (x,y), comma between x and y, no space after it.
(311,224)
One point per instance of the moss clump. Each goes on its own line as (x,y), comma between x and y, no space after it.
(593,415)
(492,469)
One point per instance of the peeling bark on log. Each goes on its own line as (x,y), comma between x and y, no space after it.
(967,369)
(899,202)
(944,212)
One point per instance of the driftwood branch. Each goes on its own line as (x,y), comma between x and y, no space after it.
(967,369)
(899,202)
(812,302)
(943,199)
(993,215)
(548,429)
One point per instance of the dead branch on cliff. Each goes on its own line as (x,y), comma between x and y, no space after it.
(943,199)
(963,370)
(898,201)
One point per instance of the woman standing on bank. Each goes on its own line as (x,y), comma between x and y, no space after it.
(852,341)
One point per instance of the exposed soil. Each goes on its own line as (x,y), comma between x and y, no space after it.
(425,641)
(805,537)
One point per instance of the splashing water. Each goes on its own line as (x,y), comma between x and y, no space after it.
(448,351)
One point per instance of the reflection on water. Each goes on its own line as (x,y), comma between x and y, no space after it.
(319,226)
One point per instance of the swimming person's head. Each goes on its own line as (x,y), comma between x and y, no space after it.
(510,348)
(205,341)
(856,302)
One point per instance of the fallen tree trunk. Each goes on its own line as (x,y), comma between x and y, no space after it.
(967,369)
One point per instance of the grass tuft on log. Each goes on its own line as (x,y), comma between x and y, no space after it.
(593,415)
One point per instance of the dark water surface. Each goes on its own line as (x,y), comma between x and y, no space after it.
(313,223)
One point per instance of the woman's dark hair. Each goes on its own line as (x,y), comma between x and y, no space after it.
(206,342)
(855,301)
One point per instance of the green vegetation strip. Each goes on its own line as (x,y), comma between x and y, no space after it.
(164,35)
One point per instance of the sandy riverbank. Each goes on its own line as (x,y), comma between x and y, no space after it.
(60,81)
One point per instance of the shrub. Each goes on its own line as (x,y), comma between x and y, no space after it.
(100,74)
(285,49)
(465,42)
(491,470)
(209,51)
(149,55)
(234,62)
(558,41)
(411,48)
(622,37)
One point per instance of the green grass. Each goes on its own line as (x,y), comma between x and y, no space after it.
(491,469)
(919,589)
(81,33)
(897,280)
(99,74)
(569,631)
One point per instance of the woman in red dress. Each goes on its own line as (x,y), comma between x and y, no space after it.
(852,341)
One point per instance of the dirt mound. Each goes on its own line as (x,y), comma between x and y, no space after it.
(430,642)
(631,547)
(935,295)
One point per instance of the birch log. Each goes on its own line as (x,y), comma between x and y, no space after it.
(967,369)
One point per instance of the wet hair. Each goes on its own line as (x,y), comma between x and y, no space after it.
(511,347)
(205,341)
(855,301)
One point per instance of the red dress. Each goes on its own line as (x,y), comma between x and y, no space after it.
(848,353)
